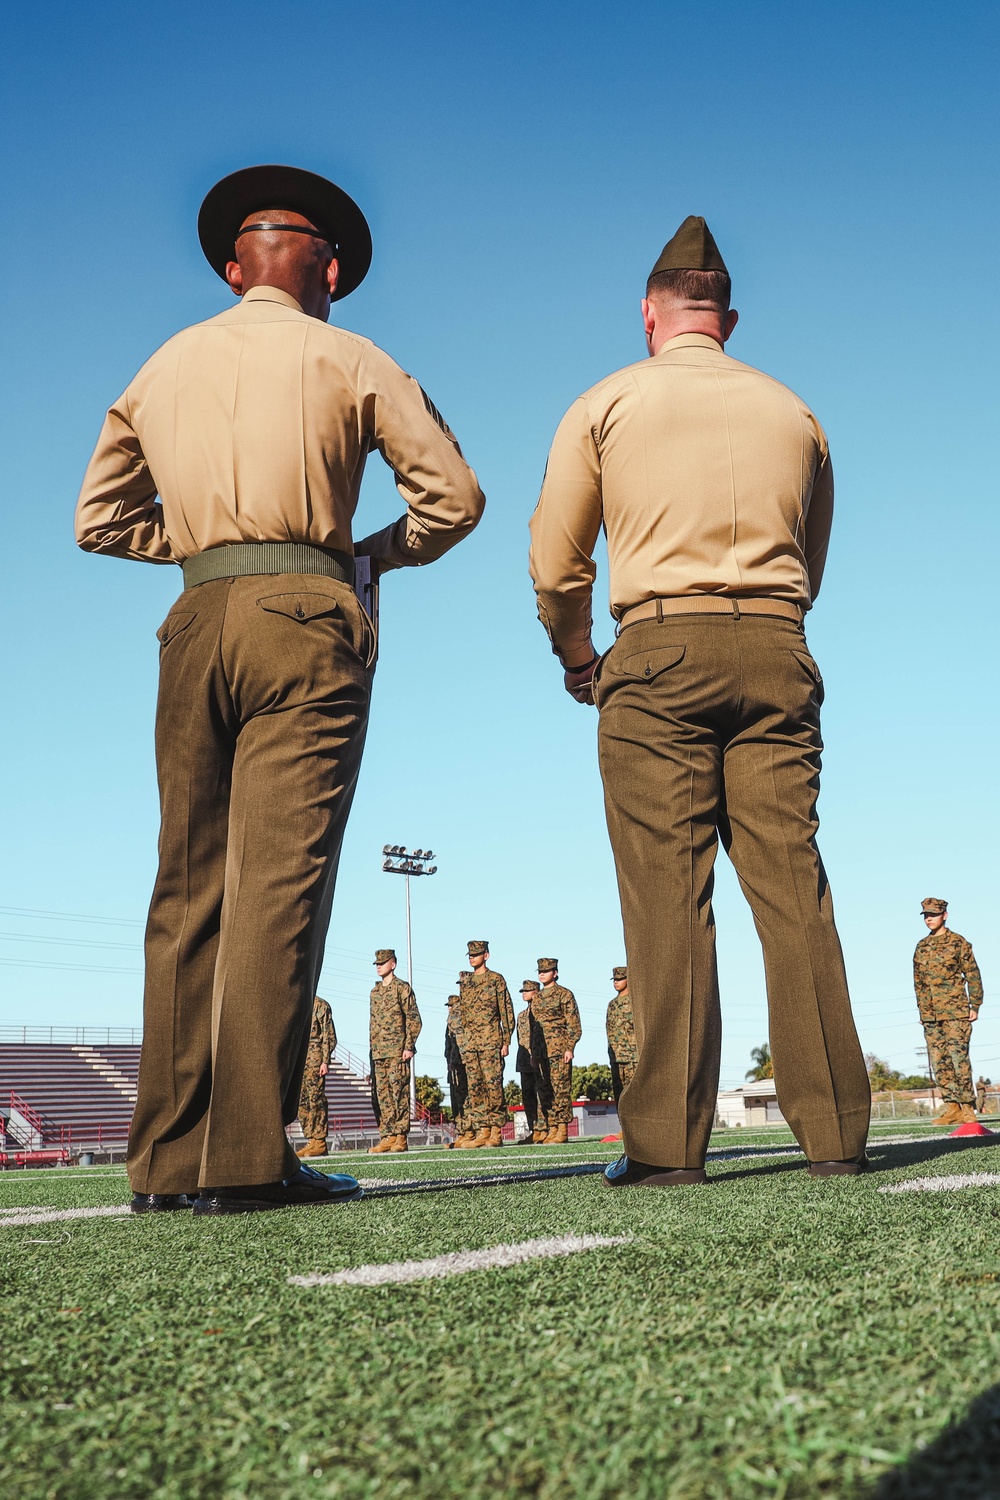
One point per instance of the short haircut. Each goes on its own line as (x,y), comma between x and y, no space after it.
(693,286)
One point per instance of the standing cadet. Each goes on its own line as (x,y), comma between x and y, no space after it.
(949,993)
(532,1065)
(556,1012)
(487,1027)
(394,1028)
(713,485)
(458,1081)
(983,1086)
(237,453)
(622,1051)
(314,1114)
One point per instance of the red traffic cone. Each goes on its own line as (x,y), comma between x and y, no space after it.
(972,1127)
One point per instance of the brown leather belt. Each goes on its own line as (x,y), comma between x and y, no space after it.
(710,604)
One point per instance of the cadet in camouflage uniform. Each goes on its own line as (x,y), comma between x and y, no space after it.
(487,1027)
(555,1010)
(395,1026)
(983,1085)
(314,1114)
(949,993)
(532,1066)
(623,1052)
(458,1079)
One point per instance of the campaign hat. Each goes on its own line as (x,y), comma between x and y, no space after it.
(254,189)
(692,248)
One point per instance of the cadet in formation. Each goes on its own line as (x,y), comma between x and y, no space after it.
(314,1114)
(714,488)
(487,1025)
(236,454)
(949,993)
(532,1066)
(458,1079)
(622,1051)
(555,1010)
(394,1028)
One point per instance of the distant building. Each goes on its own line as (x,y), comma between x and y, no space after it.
(751,1106)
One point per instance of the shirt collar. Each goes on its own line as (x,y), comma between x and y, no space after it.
(271,294)
(690,341)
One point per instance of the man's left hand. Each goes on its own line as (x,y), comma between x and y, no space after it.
(504,1051)
(580,682)
(567,1057)
(324,1068)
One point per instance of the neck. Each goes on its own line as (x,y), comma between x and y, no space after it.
(693,323)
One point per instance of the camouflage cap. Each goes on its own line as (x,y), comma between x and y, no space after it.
(453,1000)
(933,907)
(619,972)
(384,955)
(477,946)
(464,974)
(547,963)
(691,249)
(530,987)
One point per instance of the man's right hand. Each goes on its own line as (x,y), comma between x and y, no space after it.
(579,682)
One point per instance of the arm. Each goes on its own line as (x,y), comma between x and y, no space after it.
(921,988)
(413,1023)
(564,532)
(443,498)
(117,511)
(574,1030)
(506,1009)
(329,1039)
(819,519)
(973,979)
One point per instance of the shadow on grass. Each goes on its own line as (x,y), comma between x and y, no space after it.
(883,1158)
(964,1461)
(482,1179)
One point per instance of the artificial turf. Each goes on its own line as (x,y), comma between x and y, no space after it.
(766,1335)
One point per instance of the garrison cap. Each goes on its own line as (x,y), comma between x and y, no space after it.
(691,249)
(619,972)
(383,955)
(933,907)
(530,987)
(547,963)
(477,946)
(254,190)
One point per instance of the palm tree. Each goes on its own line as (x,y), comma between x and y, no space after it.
(764,1066)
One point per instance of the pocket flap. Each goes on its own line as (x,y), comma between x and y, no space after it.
(175,622)
(300,606)
(645,665)
(806,661)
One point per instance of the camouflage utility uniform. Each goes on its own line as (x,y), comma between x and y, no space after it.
(458,1081)
(487,1027)
(555,1011)
(532,1066)
(623,1053)
(313,1111)
(395,1026)
(948,984)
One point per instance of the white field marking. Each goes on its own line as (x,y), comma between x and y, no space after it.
(943,1184)
(17,1217)
(458,1262)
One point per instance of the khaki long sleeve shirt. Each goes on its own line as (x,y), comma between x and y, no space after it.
(708,477)
(254,427)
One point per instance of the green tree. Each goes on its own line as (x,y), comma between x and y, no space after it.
(512,1095)
(592,1082)
(763,1066)
(430,1094)
(884,1079)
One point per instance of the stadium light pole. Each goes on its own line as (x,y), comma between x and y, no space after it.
(396,860)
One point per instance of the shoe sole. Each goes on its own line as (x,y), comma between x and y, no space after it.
(687,1177)
(837,1169)
(175,1208)
(263,1205)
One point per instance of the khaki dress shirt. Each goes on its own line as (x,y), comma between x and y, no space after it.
(708,477)
(255,427)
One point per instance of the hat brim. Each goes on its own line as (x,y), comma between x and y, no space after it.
(254,189)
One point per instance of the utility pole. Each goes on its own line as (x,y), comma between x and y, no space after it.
(396,860)
(924,1053)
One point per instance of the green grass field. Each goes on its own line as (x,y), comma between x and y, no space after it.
(766,1335)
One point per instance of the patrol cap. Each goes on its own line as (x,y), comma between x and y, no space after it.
(547,963)
(453,1000)
(383,955)
(530,987)
(464,974)
(691,249)
(933,907)
(619,972)
(253,190)
(477,946)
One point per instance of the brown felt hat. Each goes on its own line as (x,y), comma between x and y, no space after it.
(383,955)
(691,249)
(530,987)
(619,972)
(253,190)
(547,963)
(477,946)
(933,907)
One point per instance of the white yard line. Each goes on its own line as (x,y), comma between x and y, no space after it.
(943,1184)
(15,1217)
(458,1262)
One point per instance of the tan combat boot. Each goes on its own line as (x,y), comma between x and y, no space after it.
(496,1136)
(539,1135)
(559,1137)
(312,1148)
(947,1115)
(482,1138)
(966,1115)
(398,1143)
(385,1144)
(465,1140)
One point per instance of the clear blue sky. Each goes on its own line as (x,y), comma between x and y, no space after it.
(521,166)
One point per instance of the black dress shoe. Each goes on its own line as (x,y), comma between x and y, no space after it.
(160,1203)
(627,1173)
(852,1168)
(303,1189)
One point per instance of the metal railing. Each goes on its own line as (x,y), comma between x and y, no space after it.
(79,1036)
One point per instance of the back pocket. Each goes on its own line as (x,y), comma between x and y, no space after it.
(301,606)
(176,621)
(645,666)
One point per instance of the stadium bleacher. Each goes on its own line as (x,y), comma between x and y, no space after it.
(80,1097)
